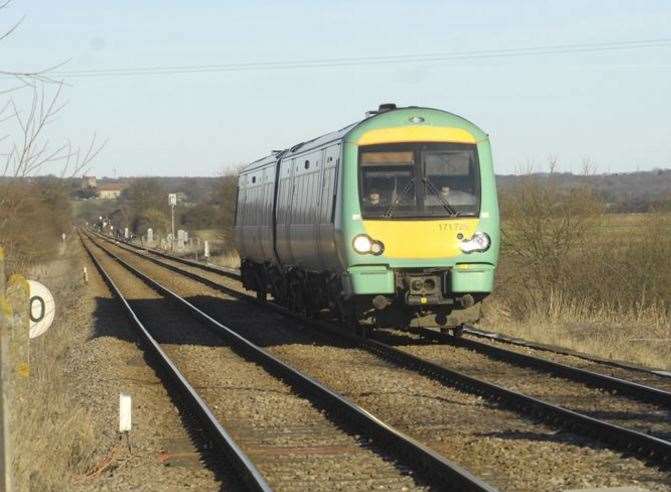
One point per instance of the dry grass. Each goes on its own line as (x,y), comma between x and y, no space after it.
(55,437)
(573,276)
(639,336)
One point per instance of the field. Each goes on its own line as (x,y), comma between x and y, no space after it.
(610,297)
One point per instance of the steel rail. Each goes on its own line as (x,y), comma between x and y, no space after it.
(621,438)
(243,465)
(233,273)
(432,464)
(498,337)
(590,378)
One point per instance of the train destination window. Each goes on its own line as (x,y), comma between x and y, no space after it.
(419,180)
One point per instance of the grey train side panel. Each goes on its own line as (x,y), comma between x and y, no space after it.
(298,196)
(254,228)
(305,208)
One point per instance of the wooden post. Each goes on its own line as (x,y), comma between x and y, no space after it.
(5,317)
(16,369)
(18,295)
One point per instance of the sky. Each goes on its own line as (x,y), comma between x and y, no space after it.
(612,107)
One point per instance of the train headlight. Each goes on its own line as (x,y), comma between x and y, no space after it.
(480,242)
(363,245)
(377,248)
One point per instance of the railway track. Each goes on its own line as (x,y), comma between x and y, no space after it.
(640,374)
(337,443)
(637,390)
(611,435)
(650,436)
(245,469)
(639,385)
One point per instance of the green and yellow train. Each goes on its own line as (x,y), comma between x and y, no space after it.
(390,221)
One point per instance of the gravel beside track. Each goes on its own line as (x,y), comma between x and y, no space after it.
(294,445)
(508,451)
(165,455)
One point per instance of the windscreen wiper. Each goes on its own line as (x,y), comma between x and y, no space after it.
(446,205)
(399,197)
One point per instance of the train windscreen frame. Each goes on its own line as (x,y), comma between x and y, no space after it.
(419,180)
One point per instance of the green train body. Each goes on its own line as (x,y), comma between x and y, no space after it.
(390,221)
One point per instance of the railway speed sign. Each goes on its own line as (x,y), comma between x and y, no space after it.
(42,308)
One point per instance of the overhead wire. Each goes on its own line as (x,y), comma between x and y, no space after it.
(561,49)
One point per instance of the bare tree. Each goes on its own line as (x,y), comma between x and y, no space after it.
(28,106)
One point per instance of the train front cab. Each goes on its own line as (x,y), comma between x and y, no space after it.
(420,221)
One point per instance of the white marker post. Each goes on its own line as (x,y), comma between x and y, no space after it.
(125,416)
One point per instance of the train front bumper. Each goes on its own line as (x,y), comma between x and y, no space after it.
(426,286)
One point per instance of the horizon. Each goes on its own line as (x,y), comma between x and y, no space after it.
(533,173)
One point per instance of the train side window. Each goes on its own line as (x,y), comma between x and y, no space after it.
(253,179)
(307,164)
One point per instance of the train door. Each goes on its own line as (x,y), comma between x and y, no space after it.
(303,209)
(326,215)
(286,187)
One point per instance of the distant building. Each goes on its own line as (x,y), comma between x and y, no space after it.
(110,191)
(89,182)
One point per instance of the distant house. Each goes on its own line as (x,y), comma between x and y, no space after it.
(89,182)
(110,191)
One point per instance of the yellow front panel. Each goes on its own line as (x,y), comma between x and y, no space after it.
(416,133)
(420,238)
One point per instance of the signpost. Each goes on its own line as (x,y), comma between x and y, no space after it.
(42,309)
(172,199)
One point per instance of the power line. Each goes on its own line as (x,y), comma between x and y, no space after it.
(562,49)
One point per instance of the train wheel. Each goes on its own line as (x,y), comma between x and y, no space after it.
(364,330)
(458,331)
(348,318)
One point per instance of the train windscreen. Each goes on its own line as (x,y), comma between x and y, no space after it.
(419,180)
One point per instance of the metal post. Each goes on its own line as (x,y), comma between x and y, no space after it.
(172,208)
(172,199)
(5,317)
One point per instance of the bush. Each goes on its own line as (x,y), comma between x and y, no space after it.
(33,215)
(561,242)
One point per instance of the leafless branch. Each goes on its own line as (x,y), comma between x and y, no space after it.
(26,77)
(31,150)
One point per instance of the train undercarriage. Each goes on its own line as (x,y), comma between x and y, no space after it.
(421,298)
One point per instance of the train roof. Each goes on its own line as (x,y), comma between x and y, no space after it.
(300,147)
(332,136)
